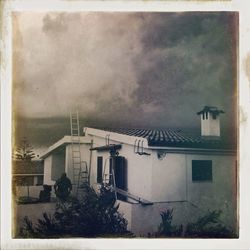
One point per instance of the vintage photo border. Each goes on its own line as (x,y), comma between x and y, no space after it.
(9,6)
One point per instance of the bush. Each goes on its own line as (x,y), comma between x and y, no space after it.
(207,226)
(96,215)
(166,229)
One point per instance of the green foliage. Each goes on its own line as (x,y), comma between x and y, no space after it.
(166,229)
(209,226)
(93,216)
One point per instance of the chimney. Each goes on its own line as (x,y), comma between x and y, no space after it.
(210,121)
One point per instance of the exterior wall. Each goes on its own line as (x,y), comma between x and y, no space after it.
(85,156)
(172,181)
(54,166)
(57,163)
(169,178)
(47,171)
(210,126)
(220,193)
(58,166)
(139,168)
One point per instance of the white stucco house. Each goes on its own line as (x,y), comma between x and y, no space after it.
(157,169)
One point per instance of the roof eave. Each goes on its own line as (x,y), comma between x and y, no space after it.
(63,142)
(194,150)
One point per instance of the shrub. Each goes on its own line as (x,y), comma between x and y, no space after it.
(209,226)
(166,229)
(95,215)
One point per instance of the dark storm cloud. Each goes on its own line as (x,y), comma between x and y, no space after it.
(189,65)
(124,69)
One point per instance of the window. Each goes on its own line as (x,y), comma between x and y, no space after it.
(201,170)
(99,169)
(39,180)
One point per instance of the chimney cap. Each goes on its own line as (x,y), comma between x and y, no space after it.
(211,109)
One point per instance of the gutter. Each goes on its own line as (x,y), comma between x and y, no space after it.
(194,150)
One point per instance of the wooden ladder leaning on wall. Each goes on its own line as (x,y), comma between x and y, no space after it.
(79,167)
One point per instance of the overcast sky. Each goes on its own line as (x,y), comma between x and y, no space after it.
(120,69)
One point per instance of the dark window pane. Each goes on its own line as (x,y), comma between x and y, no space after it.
(201,170)
(99,169)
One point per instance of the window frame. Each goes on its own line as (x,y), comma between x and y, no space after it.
(208,175)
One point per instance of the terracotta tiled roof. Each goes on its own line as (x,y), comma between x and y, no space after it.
(177,138)
(27,167)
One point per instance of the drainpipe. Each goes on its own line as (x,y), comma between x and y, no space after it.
(90,160)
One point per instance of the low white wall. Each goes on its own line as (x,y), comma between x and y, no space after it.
(145,220)
(125,209)
(34,191)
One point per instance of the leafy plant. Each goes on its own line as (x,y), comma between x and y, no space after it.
(95,215)
(209,226)
(166,228)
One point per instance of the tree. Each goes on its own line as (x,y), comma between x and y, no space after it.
(24,151)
